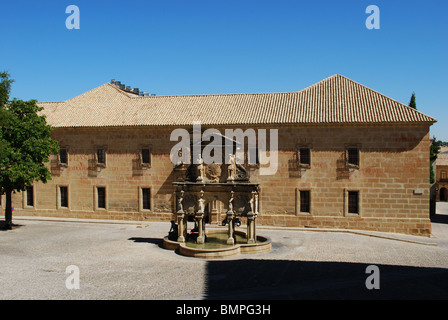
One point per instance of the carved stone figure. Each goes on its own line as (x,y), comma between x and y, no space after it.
(251,203)
(231,202)
(231,168)
(201,202)
(213,172)
(179,202)
(200,170)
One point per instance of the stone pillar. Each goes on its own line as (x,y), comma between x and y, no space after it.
(185,226)
(251,216)
(181,226)
(201,237)
(229,218)
(200,218)
(230,223)
(181,223)
(251,236)
(256,215)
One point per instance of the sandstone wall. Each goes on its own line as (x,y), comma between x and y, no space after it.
(392,178)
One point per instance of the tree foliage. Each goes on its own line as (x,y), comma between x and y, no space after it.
(26,144)
(433,152)
(412,103)
(5,88)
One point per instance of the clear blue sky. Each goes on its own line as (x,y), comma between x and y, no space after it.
(176,47)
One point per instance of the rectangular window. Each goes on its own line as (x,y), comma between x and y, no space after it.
(305,156)
(64,196)
(353,156)
(146,156)
(443,175)
(30,196)
(253,157)
(101,156)
(101,197)
(63,156)
(353,202)
(305,201)
(146,198)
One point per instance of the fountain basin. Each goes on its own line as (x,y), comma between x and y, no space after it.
(214,251)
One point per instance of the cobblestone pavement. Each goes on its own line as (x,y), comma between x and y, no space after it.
(125,261)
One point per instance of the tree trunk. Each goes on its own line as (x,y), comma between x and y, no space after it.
(8,211)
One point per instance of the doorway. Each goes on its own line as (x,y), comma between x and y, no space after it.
(443,194)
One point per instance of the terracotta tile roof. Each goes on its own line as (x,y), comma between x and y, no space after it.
(335,100)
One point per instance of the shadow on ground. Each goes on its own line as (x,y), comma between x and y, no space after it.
(157,241)
(3,226)
(285,279)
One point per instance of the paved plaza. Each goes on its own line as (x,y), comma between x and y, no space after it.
(126,261)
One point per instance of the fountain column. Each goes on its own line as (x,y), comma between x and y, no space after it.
(251,215)
(181,226)
(229,218)
(251,227)
(230,222)
(200,238)
(200,217)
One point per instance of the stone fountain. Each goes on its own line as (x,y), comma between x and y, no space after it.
(199,184)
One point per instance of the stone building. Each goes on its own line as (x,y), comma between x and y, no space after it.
(441,174)
(348,157)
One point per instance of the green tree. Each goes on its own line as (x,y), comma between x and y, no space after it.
(433,152)
(412,103)
(5,89)
(26,144)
